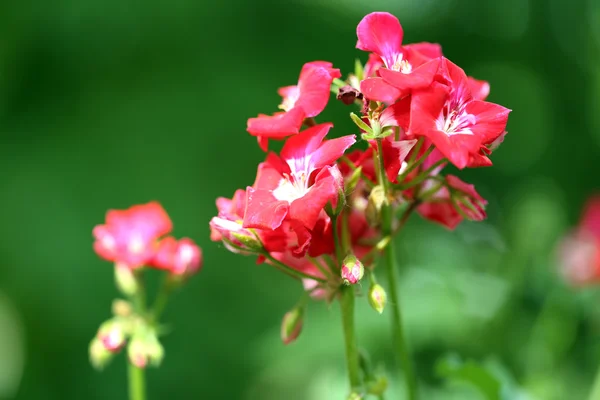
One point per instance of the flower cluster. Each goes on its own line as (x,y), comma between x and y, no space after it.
(135,239)
(321,212)
(580,250)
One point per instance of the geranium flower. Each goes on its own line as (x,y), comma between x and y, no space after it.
(130,236)
(404,68)
(457,124)
(180,257)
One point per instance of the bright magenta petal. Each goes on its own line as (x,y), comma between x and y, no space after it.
(299,147)
(314,87)
(429,50)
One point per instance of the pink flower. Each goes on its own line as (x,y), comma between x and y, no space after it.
(458,125)
(130,236)
(579,251)
(305,100)
(404,68)
(297,184)
(179,257)
(442,206)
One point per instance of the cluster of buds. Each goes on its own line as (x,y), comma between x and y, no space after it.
(134,240)
(320,212)
(580,249)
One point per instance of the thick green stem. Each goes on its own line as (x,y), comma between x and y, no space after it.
(595,393)
(400,346)
(137,383)
(347,308)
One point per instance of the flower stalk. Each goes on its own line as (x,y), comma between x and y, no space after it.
(352,360)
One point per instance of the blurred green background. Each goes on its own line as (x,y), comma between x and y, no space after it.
(105,104)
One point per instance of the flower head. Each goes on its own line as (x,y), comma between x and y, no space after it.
(457,124)
(129,237)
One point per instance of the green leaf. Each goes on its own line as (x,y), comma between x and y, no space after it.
(454,369)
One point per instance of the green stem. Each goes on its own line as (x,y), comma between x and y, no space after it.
(347,308)
(160,303)
(401,348)
(291,271)
(137,383)
(397,328)
(136,379)
(595,393)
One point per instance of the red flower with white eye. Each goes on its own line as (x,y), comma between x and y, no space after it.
(404,67)
(299,183)
(305,100)
(130,236)
(457,124)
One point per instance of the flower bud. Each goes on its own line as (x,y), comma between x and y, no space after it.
(353,180)
(112,335)
(291,325)
(125,279)
(99,356)
(375,202)
(377,297)
(121,308)
(355,396)
(144,348)
(352,270)
(378,386)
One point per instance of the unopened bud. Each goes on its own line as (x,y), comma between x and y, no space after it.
(352,270)
(121,308)
(99,356)
(355,396)
(291,325)
(125,279)
(378,386)
(347,94)
(353,180)
(144,349)
(375,202)
(112,335)
(377,297)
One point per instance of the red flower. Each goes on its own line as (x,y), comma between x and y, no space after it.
(299,183)
(181,257)
(227,227)
(130,236)
(442,206)
(458,125)
(406,68)
(305,100)
(580,250)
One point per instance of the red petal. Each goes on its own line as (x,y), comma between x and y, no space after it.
(479,89)
(268,174)
(419,78)
(263,211)
(430,50)
(377,89)
(442,213)
(490,118)
(381,33)
(397,114)
(426,107)
(314,86)
(299,147)
(331,150)
(590,220)
(307,208)
(278,125)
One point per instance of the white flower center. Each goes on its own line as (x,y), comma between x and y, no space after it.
(290,101)
(292,187)
(455,122)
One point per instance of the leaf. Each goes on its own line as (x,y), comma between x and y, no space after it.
(454,369)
